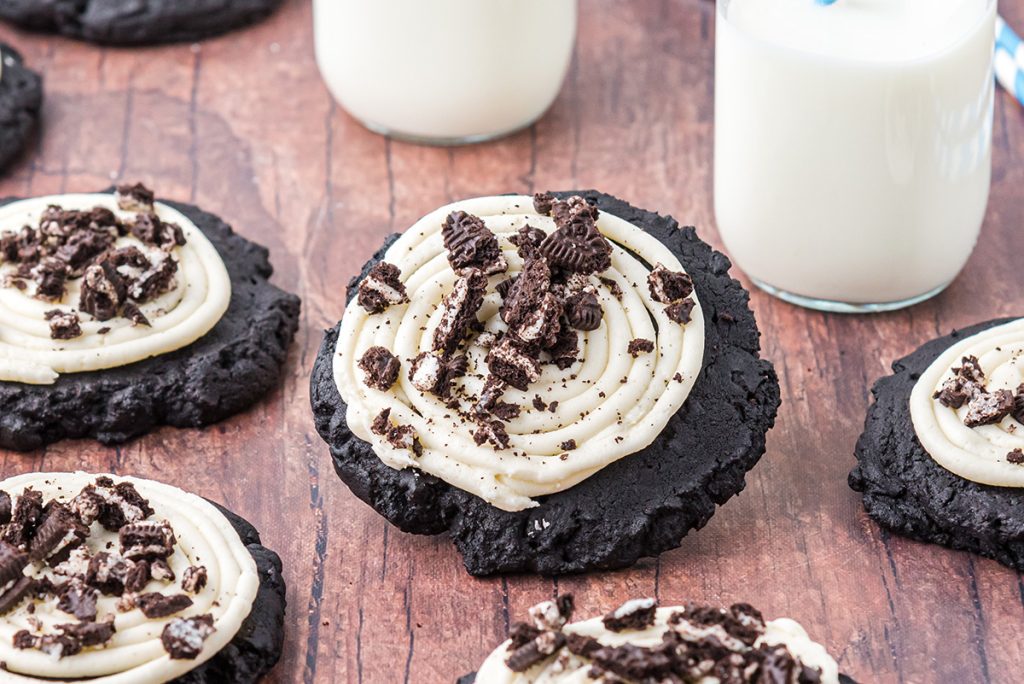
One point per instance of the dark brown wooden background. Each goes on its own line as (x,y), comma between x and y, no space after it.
(243,126)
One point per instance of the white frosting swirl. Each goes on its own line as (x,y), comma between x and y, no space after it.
(977,454)
(573,670)
(190,309)
(610,403)
(135,654)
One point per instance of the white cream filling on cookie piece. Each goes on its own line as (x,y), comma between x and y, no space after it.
(191,308)
(610,402)
(980,453)
(574,670)
(135,653)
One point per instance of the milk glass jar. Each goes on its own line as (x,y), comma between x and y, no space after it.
(445,71)
(853,145)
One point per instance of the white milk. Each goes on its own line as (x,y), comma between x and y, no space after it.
(445,70)
(853,143)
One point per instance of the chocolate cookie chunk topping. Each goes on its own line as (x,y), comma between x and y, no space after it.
(459,311)
(471,245)
(137,198)
(987,408)
(398,436)
(382,287)
(674,289)
(435,374)
(194,579)
(577,245)
(967,380)
(513,363)
(380,368)
(183,638)
(632,615)
(147,540)
(156,605)
(63,326)
(583,310)
(75,244)
(640,346)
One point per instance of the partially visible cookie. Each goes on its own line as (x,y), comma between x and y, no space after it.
(962,376)
(537,441)
(21,99)
(136,22)
(134,580)
(643,642)
(121,313)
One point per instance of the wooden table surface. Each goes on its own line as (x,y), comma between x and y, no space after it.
(243,126)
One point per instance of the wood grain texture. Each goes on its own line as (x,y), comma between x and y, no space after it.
(243,126)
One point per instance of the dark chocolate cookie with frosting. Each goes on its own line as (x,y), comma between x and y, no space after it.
(578,399)
(136,22)
(116,578)
(641,641)
(941,458)
(119,313)
(21,99)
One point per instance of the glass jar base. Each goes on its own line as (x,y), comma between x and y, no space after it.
(845,307)
(442,141)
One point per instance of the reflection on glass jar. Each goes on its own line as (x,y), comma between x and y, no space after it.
(853,145)
(445,71)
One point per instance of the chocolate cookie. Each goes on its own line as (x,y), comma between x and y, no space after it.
(641,505)
(136,22)
(220,374)
(21,98)
(109,553)
(906,491)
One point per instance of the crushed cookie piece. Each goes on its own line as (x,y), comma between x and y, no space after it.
(967,380)
(678,377)
(568,445)
(526,292)
(1016,457)
(382,287)
(492,431)
(432,373)
(527,241)
(680,312)
(543,203)
(539,403)
(640,346)
(152,230)
(103,291)
(398,436)
(146,540)
(583,310)
(613,287)
(137,198)
(25,518)
(64,325)
(183,638)
(988,408)
(541,325)
(577,245)
(78,599)
(194,579)
(514,364)
(380,368)
(505,411)
(460,309)
(133,313)
(156,605)
(632,615)
(669,286)
(471,245)
(109,573)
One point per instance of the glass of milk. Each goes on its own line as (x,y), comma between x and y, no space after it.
(445,71)
(853,145)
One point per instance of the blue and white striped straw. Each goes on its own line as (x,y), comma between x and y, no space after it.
(1009,60)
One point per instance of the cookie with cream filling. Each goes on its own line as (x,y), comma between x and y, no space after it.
(120,579)
(129,22)
(941,458)
(119,313)
(21,99)
(641,641)
(580,374)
